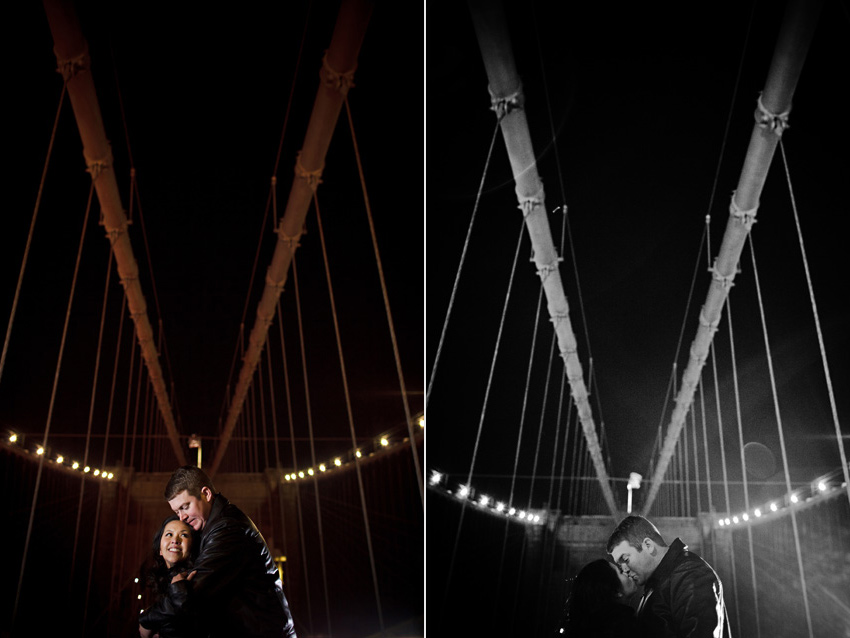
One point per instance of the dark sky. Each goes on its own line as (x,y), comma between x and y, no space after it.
(204,94)
(628,108)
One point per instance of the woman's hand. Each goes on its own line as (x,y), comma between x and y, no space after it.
(183,576)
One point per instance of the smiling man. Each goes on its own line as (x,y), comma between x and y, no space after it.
(683,596)
(235,588)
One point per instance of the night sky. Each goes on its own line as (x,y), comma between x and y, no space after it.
(628,111)
(204,95)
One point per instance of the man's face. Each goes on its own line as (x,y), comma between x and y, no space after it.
(638,565)
(193,510)
(628,586)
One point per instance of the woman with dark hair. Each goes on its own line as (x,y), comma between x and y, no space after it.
(173,552)
(596,607)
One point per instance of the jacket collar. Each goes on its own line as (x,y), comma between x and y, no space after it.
(674,552)
(218,504)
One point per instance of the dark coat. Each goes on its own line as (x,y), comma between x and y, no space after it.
(683,598)
(236,590)
(613,621)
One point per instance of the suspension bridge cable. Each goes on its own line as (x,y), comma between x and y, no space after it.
(822,347)
(781,434)
(696,458)
(743,460)
(707,463)
(273,410)
(723,468)
(124,464)
(291,421)
(312,447)
(106,441)
(382,279)
(90,420)
(460,265)
(542,416)
(31,230)
(552,473)
(345,388)
(523,412)
(483,410)
(567,434)
(52,403)
(263,407)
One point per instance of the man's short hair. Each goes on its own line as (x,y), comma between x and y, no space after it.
(190,478)
(633,529)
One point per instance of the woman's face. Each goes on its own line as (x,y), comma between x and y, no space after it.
(627,585)
(176,542)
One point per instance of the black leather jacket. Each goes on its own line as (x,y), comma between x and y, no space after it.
(683,598)
(236,590)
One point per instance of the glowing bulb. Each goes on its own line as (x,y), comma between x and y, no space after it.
(822,486)
(463,491)
(384,441)
(757,512)
(537,518)
(745,516)
(86,469)
(794,498)
(322,467)
(357,454)
(422,422)
(135,580)
(500,507)
(735,520)
(773,507)
(436,477)
(139,596)
(512,511)
(97,472)
(75,465)
(521,514)
(13,438)
(728,522)
(301,473)
(722,522)
(60,458)
(109,476)
(40,450)
(310,471)
(337,462)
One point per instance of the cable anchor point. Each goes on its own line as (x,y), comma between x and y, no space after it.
(774,122)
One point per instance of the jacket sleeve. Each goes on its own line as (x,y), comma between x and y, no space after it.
(220,563)
(164,611)
(697,602)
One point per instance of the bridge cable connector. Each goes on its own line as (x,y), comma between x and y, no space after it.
(503,106)
(774,122)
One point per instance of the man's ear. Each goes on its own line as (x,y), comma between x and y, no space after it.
(650,546)
(207,494)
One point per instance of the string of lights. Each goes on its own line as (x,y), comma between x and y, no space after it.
(821,489)
(385,441)
(439,481)
(16,441)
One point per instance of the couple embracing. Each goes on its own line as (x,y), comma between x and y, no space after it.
(682,594)
(214,574)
